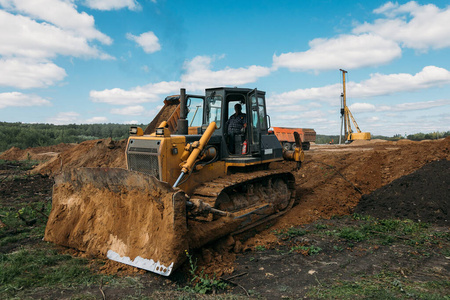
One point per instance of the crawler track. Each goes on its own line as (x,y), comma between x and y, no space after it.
(253,198)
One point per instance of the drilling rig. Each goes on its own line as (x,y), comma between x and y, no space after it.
(346,115)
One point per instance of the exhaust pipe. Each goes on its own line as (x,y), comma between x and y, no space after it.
(182,124)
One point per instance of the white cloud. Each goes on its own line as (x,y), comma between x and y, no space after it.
(112,4)
(199,73)
(414,26)
(63,14)
(345,51)
(329,93)
(147,93)
(19,99)
(380,84)
(377,85)
(131,122)
(198,76)
(361,107)
(62,118)
(22,36)
(129,110)
(26,74)
(147,40)
(32,33)
(410,106)
(97,120)
(71,117)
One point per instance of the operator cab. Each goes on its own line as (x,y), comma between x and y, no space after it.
(243,134)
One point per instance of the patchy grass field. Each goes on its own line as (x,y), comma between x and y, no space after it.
(342,258)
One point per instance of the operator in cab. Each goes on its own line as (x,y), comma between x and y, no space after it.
(236,125)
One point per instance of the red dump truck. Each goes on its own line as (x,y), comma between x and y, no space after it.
(286,136)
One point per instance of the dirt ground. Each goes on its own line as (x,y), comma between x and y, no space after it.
(333,180)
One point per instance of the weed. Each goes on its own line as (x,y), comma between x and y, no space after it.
(307,250)
(202,284)
(338,248)
(260,248)
(321,226)
(353,234)
(361,217)
(292,233)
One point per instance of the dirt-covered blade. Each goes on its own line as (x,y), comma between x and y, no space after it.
(126,216)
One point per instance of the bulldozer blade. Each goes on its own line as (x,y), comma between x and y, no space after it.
(127,216)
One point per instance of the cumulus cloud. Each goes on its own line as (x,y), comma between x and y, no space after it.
(414,26)
(129,110)
(21,36)
(410,106)
(345,51)
(32,33)
(63,118)
(71,117)
(377,85)
(131,122)
(20,99)
(380,84)
(199,73)
(148,93)
(97,120)
(198,76)
(147,40)
(62,14)
(361,107)
(27,74)
(112,4)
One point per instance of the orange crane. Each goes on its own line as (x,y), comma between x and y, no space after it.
(346,115)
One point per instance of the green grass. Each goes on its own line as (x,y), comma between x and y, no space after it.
(309,250)
(381,287)
(260,248)
(33,268)
(23,165)
(291,233)
(202,283)
(385,232)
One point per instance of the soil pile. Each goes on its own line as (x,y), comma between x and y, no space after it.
(37,153)
(93,154)
(422,196)
(334,177)
(55,159)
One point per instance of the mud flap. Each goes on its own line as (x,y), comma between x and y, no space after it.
(127,216)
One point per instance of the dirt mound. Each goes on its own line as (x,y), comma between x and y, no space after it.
(421,196)
(333,178)
(366,142)
(37,153)
(95,153)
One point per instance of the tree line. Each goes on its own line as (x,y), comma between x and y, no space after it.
(24,135)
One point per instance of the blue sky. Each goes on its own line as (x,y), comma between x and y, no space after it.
(114,61)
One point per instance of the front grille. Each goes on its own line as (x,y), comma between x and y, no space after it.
(141,149)
(145,163)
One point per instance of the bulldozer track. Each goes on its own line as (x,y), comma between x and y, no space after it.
(268,206)
(209,191)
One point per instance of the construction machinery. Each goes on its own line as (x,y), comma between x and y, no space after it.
(346,115)
(180,191)
(286,136)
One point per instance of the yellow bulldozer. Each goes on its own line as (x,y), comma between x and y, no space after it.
(183,186)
